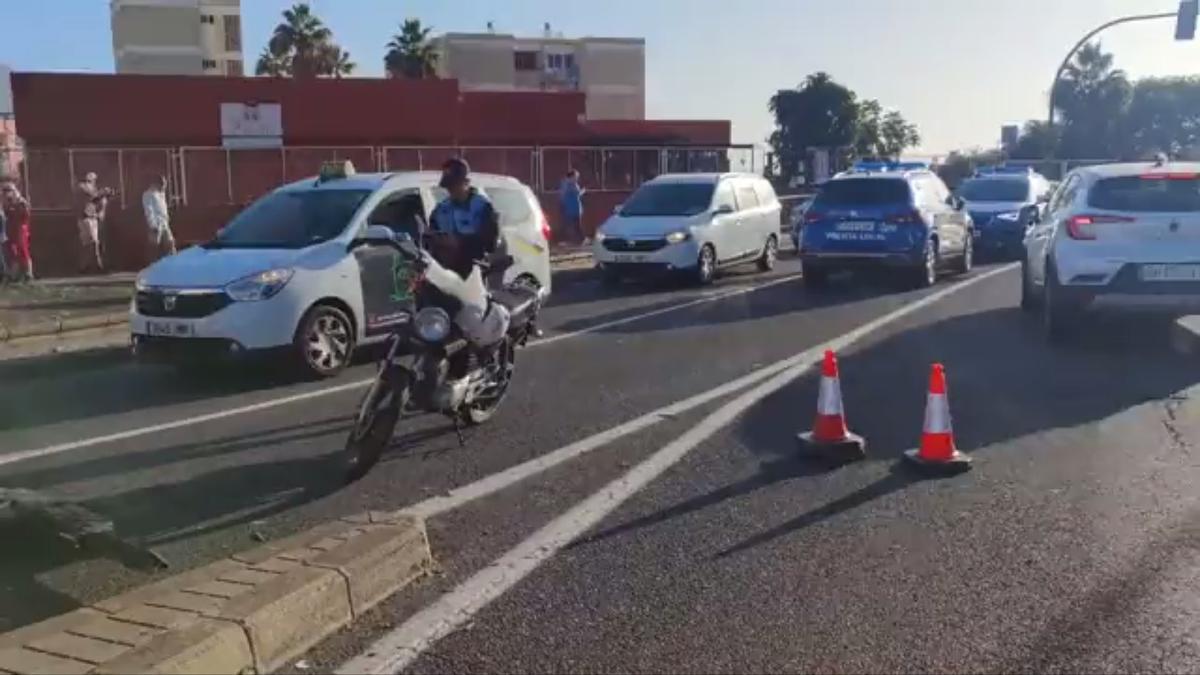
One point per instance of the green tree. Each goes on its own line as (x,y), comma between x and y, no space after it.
(1091,96)
(897,134)
(868,135)
(961,165)
(302,46)
(410,53)
(820,113)
(1037,140)
(1163,116)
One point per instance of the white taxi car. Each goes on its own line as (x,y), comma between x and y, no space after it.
(279,275)
(1115,236)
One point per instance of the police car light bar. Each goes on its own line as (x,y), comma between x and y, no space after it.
(882,167)
(1004,170)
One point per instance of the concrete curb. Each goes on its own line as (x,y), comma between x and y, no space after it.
(251,612)
(58,325)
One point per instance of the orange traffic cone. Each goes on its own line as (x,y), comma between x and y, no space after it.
(937,452)
(830,437)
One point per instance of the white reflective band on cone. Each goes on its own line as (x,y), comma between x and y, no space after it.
(829,401)
(937,414)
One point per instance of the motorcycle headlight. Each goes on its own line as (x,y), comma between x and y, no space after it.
(1010,217)
(432,324)
(259,286)
(676,237)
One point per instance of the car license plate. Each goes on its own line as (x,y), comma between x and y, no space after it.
(1170,272)
(169,329)
(856,226)
(630,257)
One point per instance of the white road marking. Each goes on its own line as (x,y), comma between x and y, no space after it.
(11,458)
(399,648)
(708,297)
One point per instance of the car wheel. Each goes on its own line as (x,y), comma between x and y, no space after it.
(1059,315)
(706,265)
(770,253)
(1029,299)
(325,341)
(927,272)
(814,276)
(967,261)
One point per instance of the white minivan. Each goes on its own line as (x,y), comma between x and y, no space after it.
(279,275)
(694,223)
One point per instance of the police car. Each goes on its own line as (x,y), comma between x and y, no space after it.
(1004,202)
(897,216)
(279,275)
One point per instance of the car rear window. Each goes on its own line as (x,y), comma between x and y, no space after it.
(669,199)
(995,190)
(863,192)
(511,204)
(1166,194)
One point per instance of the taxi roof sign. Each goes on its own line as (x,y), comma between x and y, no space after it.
(333,170)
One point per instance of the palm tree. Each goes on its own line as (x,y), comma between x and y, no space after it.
(410,53)
(1092,96)
(336,61)
(302,46)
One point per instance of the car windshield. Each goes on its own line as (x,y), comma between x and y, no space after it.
(1148,195)
(995,190)
(291,219)
(669,199)
(863,192)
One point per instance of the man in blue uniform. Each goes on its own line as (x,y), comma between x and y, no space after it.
(468,226)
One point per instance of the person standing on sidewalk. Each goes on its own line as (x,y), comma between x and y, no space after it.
(158,219)
(93,202)
(570,196)
(16,216)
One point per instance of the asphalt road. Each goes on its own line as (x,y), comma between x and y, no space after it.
(1070,546)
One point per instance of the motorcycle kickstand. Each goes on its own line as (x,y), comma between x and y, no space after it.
(458,430)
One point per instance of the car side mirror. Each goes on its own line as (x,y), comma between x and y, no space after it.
(617,209)
(374,234)
(955,202)
(723,210)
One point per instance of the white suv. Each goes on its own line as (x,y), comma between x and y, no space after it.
(693,223)
(1115,236)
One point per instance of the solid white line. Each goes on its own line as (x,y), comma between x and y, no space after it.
(396,650)
(11,458)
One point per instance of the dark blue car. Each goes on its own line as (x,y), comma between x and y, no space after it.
(897,217)
(1003,204)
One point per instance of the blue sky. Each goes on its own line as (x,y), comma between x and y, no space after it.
(958,68)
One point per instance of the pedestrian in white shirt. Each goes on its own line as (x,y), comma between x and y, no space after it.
(158,219)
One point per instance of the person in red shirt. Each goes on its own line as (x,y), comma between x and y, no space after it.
(17,249)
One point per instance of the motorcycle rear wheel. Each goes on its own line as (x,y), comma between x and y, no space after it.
(501,372)
(376,422)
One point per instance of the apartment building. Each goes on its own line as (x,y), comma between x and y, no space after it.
(177,37)
(610,71)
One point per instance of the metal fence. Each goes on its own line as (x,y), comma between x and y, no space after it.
(213,176)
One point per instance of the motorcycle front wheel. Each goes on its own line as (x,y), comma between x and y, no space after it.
(376,422)
(500,373)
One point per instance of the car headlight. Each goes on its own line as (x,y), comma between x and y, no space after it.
(1010,217)
(676,237)
(140,284)
(259,286)
(432,324)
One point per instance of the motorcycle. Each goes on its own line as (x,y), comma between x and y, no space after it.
(453,352)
